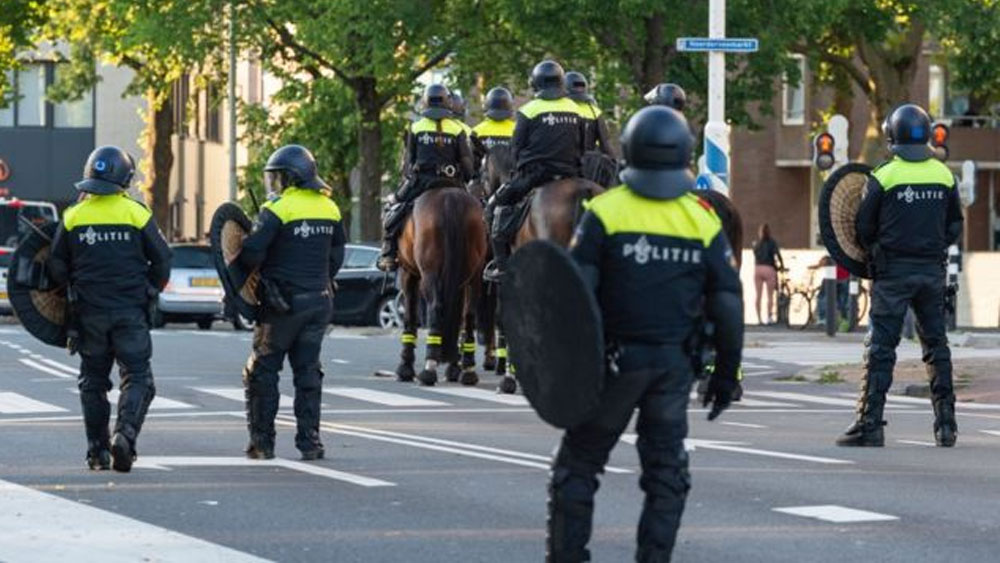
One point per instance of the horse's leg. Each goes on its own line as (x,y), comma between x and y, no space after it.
(469,376)
(487,325)
(428,376)
(411,299)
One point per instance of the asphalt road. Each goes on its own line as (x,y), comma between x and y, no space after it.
(455,474)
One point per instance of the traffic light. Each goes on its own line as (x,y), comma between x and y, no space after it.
(823,151)
(939,140)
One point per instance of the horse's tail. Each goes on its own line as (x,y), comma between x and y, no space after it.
(452,278)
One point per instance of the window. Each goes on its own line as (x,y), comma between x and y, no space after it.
(179,99)
(936,92)
(254,85)
(192,257)
(74,113)
(360,258)
(213,115)
(7,113)
(31,96)
(793,96)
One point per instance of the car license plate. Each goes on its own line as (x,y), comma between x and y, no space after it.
(3,295)
(204,282)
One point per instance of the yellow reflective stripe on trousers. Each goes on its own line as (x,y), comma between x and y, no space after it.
(434,340)
(408,338)
(501,352)
(469,347)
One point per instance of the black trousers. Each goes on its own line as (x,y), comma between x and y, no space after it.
(299,335)
(899,286)
(505,219)
(107,337)
(657,380)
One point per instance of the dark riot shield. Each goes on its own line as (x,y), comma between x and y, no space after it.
(554,334)
(39,305)
(838,208)
(230,225)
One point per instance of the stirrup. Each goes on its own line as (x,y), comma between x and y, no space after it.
(492,273)
(387,263)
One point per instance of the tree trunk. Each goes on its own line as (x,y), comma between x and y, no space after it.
(159,127)
(653,56)
(370,150)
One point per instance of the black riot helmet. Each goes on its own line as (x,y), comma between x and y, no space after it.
(436,102)
(292,166)
(667,94)
(458,108)
(499,104)
(909,132)
(656,146)
(576,85)
(548,80)
(108,170)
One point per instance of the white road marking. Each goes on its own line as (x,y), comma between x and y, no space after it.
(481,394)
(58,365)
(165,462)
(836,514)
(206,333)
(237,394)
(159,403)
(745,402)
(15,403)
(759,373)
(742,424)
(917,443)
(346,336)
(806,398)
(991,432)
(46,369)
(926,402)
(382,397)
(340,361)
(693,444)
(40,527)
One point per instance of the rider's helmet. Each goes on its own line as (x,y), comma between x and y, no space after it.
(656,146)
(548,80)
(436,102)
(108,170)
(458,108)
(292,166)
(909,133)
(576,85)
(667,94)
(499,104)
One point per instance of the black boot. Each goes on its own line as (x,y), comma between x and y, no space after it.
(122,452)
(260,447)
(945,426)
(99,456)
(571,509)
(867,430)
(387,261)
(495,269)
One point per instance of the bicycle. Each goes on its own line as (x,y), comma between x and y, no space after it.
(795,301)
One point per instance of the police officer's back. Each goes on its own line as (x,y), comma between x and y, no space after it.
(497,128)
(596,136)
(110,251)
(908,217)
(658,260)
(298,244)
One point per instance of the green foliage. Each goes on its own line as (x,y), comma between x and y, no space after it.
(18,21)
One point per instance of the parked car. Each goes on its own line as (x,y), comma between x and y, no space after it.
(194,292)
(5,256)
(364,296)
(13,211)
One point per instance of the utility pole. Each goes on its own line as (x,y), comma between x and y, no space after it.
(232,101)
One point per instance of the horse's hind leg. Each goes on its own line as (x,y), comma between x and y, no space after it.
(487,325)
(411,298)
(428,376)
(508,384)
(469,376)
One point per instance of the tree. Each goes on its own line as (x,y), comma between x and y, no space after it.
(18,21)
(161,42)
(375,48)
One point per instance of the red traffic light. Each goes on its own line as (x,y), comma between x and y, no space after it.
(939,134)
(823,151)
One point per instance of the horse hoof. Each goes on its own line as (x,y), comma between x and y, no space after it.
(489,363)
(452,373)
(469,377)
(405,373)
(507,385)
(428,377)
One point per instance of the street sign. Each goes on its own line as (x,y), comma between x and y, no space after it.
(724,45)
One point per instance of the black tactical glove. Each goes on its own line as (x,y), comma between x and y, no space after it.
(719,394)
(505,195)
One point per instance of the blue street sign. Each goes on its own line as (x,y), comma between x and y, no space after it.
(725,45)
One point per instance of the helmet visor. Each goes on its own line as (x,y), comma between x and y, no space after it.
(274,181)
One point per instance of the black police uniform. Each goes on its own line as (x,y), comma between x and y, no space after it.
(490,134)
(115,259)
(298,244)
(654,262)
(909,216)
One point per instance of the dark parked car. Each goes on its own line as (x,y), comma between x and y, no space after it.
(364,296)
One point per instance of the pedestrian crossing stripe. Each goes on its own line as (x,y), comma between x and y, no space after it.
(159,403)
(481,394)
(382,397)
(15,403)
(836,514)
(802,397)
(238,394)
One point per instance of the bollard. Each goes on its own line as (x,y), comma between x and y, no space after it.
(830,289)
(951,287)
(852,304)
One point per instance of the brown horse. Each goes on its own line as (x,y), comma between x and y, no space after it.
(442,250)
(553,212)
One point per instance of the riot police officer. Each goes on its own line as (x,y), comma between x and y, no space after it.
(115,260)
(460,111)
(548,143)
(597,129)
(298,246)
(497,128)
(438,155)
(909,216)
(658,261)
(667,94)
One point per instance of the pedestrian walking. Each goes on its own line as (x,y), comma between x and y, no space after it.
(767,262)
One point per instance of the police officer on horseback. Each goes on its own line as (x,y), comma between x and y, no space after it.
(667,94)
(115,260)
(658,261)
(597,129)
(497,127)
(298,246)
(548,143)
(908,217)
(438,155)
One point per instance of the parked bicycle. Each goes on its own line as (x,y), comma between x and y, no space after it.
(795,300)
